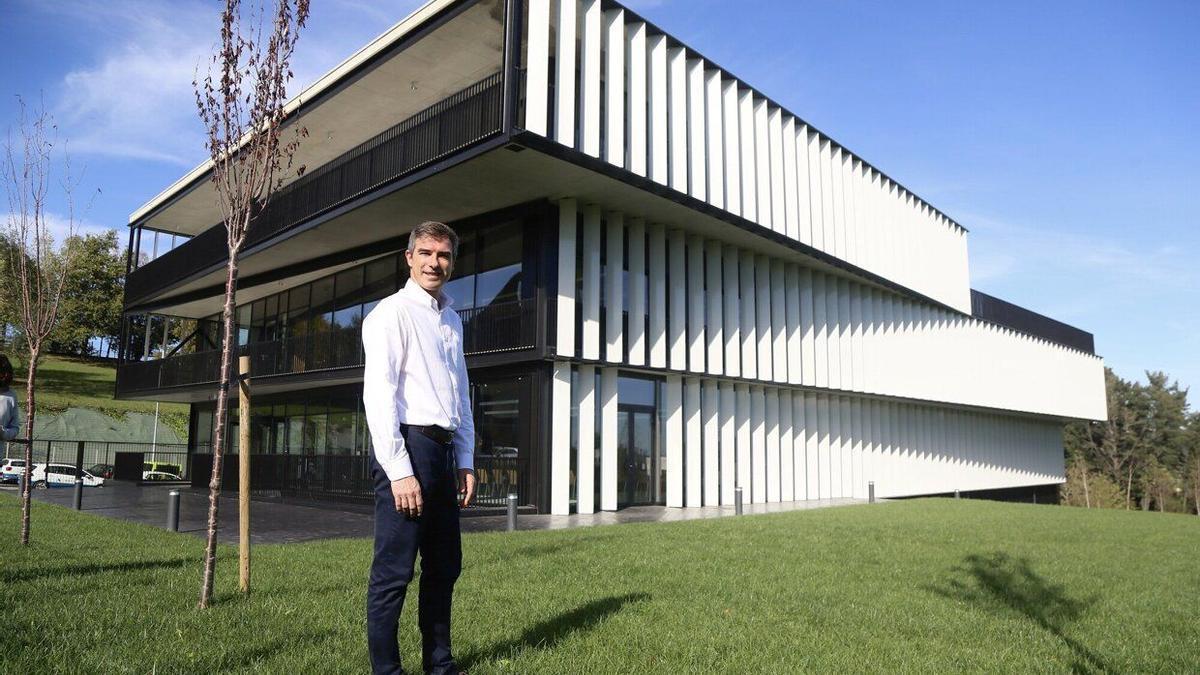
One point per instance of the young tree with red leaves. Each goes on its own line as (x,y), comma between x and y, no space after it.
(242,103)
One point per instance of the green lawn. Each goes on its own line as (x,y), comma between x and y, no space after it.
(925,585)
(70,381)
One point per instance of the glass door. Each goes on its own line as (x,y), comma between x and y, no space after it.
(637,459)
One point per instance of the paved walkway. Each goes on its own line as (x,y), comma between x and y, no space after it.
(278,522)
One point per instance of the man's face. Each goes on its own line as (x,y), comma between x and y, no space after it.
(430,263)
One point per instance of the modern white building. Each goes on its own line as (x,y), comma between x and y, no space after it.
(672,286)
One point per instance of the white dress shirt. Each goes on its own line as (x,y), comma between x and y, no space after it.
(415,373)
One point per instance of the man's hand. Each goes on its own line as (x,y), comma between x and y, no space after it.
(407,493)
(466,486)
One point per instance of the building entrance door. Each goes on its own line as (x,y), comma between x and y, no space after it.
(637,459)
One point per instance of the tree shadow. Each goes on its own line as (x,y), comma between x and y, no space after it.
(1001,583)
(254,656)
(547,634)
(17,576)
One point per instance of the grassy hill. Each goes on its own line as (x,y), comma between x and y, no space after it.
(914,586)
(66,382)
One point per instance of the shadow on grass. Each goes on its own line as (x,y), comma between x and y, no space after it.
(11,577)
(255,656)
(1000,582)
(547,634)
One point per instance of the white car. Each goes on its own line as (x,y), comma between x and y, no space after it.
(61,475)
(11,470)
(160,475)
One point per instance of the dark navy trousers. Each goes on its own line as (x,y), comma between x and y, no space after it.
(398,539)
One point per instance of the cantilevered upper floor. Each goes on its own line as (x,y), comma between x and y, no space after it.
(471,107)
(583,80)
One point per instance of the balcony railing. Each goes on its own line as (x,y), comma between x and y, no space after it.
(450,125)
(500,327)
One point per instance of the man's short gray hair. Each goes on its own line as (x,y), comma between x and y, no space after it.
(435,230)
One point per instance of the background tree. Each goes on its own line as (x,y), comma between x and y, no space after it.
(1112,446)
(1192,460)
(1158,485)
(1089,488)
(1146,446)
(8,310)
(37,271)
(241,103)
(91,303)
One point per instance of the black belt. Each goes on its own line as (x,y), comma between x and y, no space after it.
(437,434)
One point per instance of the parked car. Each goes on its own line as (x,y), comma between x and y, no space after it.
(161,466)
(11,470)
(160,475)
(102,470)
(61,475)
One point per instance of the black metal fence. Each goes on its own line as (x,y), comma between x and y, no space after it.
(506,326)
(463,119)
(334,348)
(337,477)
(162,455)
(348,477)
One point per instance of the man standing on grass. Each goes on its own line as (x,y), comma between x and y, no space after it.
(418,408)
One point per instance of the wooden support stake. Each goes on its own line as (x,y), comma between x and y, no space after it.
(244,474)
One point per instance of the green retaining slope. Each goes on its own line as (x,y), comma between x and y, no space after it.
(87,424)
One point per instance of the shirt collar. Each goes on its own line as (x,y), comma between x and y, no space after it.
(414,292)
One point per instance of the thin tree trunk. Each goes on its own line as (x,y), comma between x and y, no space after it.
(27,479)
(1087,499)
(214,484)
(1129,489)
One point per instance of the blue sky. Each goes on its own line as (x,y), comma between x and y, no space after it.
(1063,135)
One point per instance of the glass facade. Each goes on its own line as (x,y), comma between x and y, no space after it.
(317,442)
(489,271)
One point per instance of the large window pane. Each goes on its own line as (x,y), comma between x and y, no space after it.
(636,390)
(348,317)
(204,420)
(349,286)
(500,285)
(322,304)
(243,324)
(499,246)
(297,309)
(498,425)
(341,432)
(499,264)
(462,289)
(380,279)
(315,427)
(461,286)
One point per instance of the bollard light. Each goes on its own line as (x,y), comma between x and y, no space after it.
(512,512)
(79,476)
(737,500)
(956,496)
(173,510)
(871,492)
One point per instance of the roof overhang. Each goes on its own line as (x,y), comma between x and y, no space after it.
(437,50)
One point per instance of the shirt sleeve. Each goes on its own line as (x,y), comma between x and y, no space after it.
(464,434)
(384,346)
